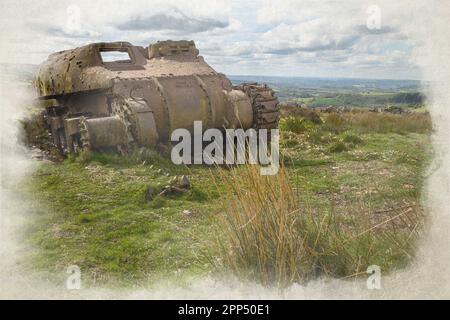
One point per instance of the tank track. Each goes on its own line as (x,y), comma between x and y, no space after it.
(266,112)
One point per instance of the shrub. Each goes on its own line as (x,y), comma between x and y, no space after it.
(351,138)
(338,146)
(295,125)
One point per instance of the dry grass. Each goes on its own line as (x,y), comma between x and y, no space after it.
(260,237)
(365,121)
(266,234)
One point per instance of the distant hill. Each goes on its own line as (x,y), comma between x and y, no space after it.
(17,72)
(333,84)
(323,92)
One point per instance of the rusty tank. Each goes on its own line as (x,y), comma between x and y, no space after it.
(116,95)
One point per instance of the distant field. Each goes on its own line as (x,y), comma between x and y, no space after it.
(366,99)
(323,92)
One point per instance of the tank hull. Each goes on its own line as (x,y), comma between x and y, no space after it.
(143,98)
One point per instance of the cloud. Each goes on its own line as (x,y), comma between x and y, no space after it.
(236,49)
(63,32)
(174,20)
(270,37)
(314,35)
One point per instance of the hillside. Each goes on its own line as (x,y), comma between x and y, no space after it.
(356,178)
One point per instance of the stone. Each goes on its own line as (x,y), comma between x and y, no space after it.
(184,182)
(187,213)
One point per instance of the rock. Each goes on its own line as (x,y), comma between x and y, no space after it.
(187,213)
(396,110)
(376,110)
(184,182)
(331,109)
(175,186)
(167,190)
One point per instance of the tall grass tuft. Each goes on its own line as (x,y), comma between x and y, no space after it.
(259,228)
(266,234)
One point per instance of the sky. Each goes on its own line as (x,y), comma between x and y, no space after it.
(304,38)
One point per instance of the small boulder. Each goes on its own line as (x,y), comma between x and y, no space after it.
(187,213)
(167,190)
(184,183)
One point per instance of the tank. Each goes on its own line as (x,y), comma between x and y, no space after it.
(116,95)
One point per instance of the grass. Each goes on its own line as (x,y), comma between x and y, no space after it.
(269,235)
(96,216)
(259,237)
(369,122)
(352,182)
(352,138)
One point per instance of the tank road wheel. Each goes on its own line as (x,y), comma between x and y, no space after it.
(266,112)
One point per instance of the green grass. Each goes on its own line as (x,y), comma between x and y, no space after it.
(92,210)
(96,216)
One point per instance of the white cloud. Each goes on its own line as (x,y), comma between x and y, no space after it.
(274,37)
(313,35)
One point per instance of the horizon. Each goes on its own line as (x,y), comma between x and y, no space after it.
(324,77)
(273,76)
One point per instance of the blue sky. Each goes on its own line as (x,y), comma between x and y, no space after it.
(283,38)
